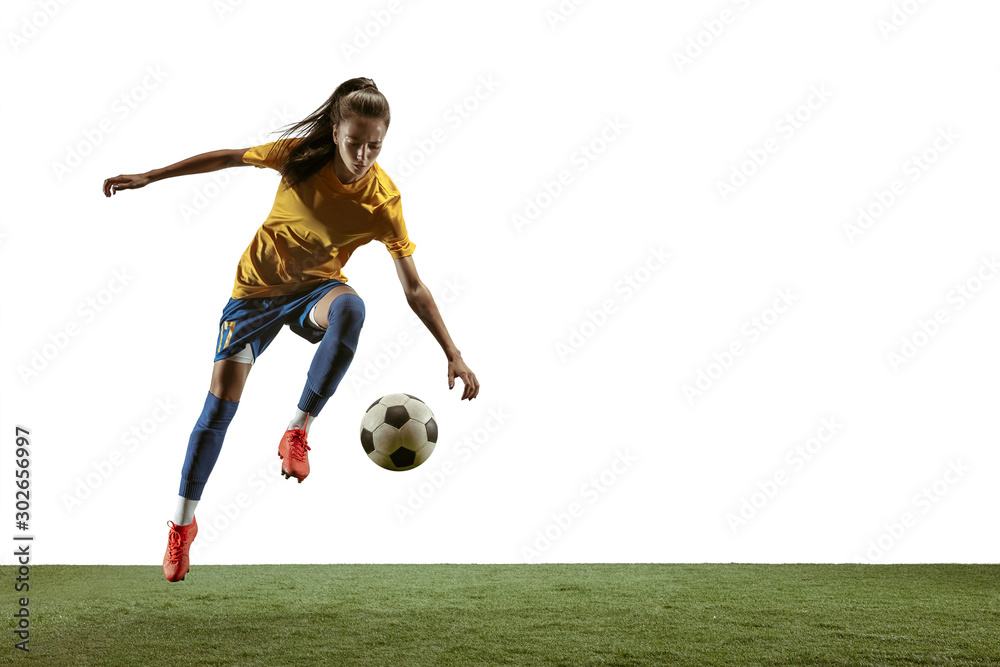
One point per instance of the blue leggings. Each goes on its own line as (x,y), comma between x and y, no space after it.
(329,365)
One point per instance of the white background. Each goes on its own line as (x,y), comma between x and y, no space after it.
(695,475)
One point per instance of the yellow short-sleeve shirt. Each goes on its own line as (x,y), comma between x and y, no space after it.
(312,229)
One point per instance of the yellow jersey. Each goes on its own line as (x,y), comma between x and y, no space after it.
(312,229)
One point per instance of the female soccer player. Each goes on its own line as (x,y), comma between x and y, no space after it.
(332,199)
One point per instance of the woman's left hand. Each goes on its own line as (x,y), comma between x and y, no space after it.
(457,368)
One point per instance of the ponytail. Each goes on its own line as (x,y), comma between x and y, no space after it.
(311,152)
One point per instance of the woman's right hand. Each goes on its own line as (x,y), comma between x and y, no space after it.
(123,182)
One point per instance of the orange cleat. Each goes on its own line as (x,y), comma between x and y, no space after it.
(293,452)
(176,561)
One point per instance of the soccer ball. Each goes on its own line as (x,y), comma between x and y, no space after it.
(398,432)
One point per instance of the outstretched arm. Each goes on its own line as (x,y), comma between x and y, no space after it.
(422,303)
(198,164)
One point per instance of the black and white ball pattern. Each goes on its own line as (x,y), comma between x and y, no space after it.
(398,432)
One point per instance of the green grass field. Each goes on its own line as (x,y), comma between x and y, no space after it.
(413,615)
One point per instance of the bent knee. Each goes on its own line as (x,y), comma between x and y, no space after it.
(228,379)
(348,308)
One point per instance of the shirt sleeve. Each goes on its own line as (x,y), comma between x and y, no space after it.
(269,154)
(391,229)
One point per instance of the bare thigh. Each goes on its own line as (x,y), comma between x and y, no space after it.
(228,379)
(323,307)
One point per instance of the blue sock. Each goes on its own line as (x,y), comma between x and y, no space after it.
(205,444)
(336,350)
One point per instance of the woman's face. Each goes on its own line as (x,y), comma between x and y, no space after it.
(359,141)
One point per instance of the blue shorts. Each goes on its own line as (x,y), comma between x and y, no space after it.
(256,321)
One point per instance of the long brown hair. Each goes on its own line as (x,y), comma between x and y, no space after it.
(354,97)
